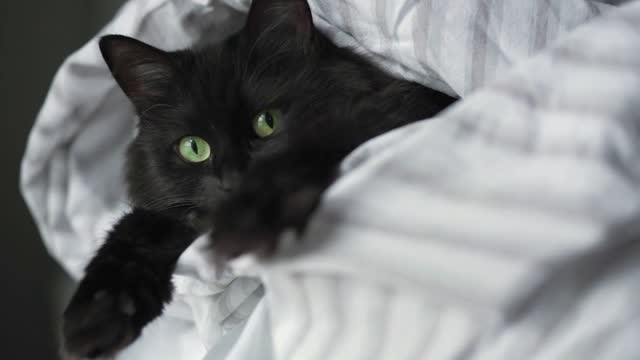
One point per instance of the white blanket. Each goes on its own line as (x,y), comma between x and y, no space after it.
(484,234)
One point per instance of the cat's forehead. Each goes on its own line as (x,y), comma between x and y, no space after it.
(225,85)
(209,83)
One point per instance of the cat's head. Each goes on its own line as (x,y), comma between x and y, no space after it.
(206,114)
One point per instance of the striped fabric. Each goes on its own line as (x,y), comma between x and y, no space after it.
(484,234)
(452,45)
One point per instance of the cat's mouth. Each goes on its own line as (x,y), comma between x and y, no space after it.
(201,217)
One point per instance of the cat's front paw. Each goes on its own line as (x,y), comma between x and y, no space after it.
(108,312)
(99,325)
(252,219)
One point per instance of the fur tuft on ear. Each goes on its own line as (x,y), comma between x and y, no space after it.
(143,72)
(291,17)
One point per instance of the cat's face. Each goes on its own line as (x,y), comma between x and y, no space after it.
(207,114)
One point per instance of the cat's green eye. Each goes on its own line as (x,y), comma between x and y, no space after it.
(194,149)
(266,122)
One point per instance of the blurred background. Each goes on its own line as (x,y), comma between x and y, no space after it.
(35,37)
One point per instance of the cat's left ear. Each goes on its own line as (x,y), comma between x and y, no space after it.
(144,72)
(289,18)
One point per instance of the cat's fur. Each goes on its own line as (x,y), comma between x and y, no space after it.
(251,188)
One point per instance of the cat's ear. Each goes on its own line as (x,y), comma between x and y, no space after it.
(143,72)
(291,18)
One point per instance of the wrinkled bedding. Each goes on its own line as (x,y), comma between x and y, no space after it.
(503,229)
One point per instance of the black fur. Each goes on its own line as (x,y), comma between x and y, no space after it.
(127,283)
(251,188)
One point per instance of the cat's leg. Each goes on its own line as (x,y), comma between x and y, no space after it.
(276,195)
(126,284)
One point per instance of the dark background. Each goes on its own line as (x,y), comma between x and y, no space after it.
(35,37)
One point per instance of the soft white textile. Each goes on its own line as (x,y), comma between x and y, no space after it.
(439,235)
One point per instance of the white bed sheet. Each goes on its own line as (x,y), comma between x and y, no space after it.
(510,191)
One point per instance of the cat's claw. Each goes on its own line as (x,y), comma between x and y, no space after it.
(99,324)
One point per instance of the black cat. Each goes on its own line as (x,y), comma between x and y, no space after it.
(240,139)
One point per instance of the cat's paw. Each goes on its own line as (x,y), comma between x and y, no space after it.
(252,219)
(108,311)
(99,324)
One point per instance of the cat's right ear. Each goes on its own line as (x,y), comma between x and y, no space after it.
(290,18)
(144,72)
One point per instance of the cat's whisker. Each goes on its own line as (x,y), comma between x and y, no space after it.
(189,209)
(172,201)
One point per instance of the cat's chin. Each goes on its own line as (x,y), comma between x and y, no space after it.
(199,220)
